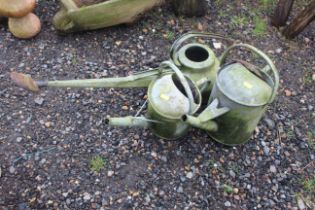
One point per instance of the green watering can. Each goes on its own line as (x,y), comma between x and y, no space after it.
(242,91)
(178,88)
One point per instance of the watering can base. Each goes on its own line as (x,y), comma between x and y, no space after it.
(224,142)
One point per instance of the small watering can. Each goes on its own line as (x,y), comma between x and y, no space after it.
(242,91)
(169,97)
(171,94)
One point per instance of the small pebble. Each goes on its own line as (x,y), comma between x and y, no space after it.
(86,196)
(124,107)
(110,173)
(232,173)
(301,204)
(39,101)
(273,169)
(266,151)
(18,139)
(153,154)
(227,204)
(190,175)
(180,189)
(11,169)
(47,124)
(287,92)
(270,123)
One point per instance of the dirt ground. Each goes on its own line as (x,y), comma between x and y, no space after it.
(49,139)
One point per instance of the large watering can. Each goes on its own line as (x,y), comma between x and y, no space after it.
(242,91)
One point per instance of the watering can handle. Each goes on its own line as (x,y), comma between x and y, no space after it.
(270,65)
(189,35)
(183,81)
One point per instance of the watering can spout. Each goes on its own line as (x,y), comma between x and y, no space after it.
(205,119)
(210,125)
(141,79)
(128,121)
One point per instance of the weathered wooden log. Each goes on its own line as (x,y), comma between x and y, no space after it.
(190,8)
(74,16)
(300,22)
(281,13)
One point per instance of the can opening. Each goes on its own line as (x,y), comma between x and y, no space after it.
(197,54)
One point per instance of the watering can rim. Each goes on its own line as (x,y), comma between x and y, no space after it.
(198,65)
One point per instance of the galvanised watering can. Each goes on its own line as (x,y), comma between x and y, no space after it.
(169,97)
(197,60)
(242,91)
(171,94)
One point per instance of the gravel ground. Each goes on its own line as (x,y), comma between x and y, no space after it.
(47,140)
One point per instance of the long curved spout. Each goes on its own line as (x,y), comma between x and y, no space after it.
(141,79)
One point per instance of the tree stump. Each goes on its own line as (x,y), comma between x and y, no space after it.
(190,8)
(300,22)
(281,13)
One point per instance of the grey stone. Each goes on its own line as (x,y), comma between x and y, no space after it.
(11,169)
(180,189)
(227,203)
(86,196)
(190,175)
(270,123)
(273,169)
(232,173)
(39,100)
(266,151)
(301,204)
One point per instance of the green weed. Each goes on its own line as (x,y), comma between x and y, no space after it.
(170,35)
(310,139)
(97,163)
(227,188)
(290,133)
(268,4)
(309,185)
(235,168)
(260,26)
(239,21)
(307,78)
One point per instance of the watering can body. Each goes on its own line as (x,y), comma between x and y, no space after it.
(246,96)
(238,100)
(169,98)
(199,63)
(166,106)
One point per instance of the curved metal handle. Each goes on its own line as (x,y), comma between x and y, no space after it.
(183,81)
(264,70)
(189,35)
